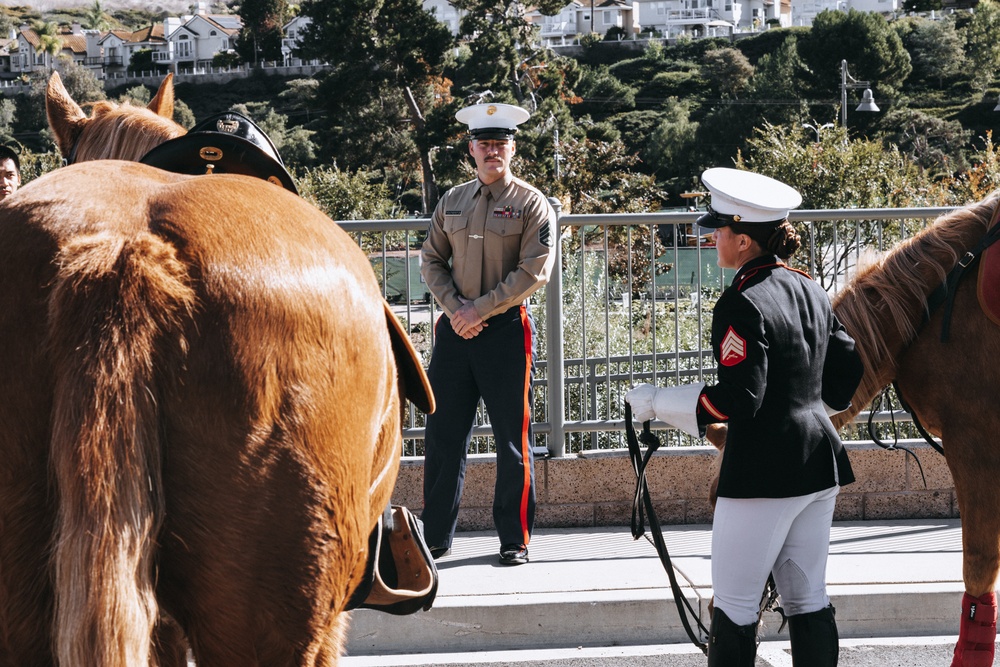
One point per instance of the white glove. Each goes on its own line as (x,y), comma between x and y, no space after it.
(677,406)
(640,397)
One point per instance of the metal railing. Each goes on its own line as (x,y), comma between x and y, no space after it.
(621,308)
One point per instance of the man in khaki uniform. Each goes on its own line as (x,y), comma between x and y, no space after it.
(488,249)
(10,172)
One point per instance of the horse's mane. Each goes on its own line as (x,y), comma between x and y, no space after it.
(123,132)
(888,301)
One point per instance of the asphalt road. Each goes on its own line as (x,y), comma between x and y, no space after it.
(876,652)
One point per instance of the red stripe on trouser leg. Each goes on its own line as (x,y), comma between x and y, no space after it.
(526,453)
(978,632)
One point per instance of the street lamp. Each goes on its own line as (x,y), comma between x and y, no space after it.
(557,157)
(848,81)
(817,130)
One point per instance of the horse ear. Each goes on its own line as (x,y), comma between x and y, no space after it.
(163,103)
(66,118)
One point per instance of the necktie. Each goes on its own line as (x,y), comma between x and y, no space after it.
(477,235)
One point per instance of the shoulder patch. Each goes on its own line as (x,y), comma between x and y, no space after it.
(545,236)
(733,348)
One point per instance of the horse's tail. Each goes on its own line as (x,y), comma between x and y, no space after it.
(116,314)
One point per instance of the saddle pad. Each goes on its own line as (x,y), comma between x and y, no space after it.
(989,282)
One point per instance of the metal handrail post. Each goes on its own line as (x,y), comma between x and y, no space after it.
(554,344)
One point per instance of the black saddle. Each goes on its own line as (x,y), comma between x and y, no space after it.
(227,143)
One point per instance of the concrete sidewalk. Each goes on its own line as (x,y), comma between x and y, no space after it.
(599,587)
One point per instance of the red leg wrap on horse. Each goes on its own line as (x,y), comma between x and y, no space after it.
(978,632)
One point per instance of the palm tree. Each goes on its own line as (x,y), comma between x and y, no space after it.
(95,18)
(48,38)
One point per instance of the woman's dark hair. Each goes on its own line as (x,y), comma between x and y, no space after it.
(780,239)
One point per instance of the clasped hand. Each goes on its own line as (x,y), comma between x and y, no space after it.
(466,321)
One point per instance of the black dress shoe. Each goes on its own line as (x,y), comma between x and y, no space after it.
(439,552)
(513,554)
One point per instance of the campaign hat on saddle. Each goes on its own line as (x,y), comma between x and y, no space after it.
(227,143)
(746,197)
(492,121)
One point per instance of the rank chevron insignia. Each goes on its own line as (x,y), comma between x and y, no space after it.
(733,349)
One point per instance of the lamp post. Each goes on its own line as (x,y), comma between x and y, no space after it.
(848,81)
(817,130)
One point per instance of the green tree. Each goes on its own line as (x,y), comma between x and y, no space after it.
(136,95)
(346,195)
(95,18)
(668,151)
(263,24)
(982,48)
(294,145)
(727,70)
(836,172)
(183,115)
(603,94)
(871,47)
(936,50)
(48,38)
(503,45)
(142,61)
(776,85)
(935,144)
(8,113)
(388,57)
(6,22)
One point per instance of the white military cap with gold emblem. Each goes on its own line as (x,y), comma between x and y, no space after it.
(492,121)
(746,197)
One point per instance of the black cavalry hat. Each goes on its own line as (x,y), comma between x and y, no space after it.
(227,143)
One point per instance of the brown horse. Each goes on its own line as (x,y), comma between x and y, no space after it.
(200,415)
(950,386)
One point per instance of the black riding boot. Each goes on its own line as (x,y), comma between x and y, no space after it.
(731,645)
(815,642)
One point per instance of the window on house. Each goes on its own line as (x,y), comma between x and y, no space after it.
(608,18)
(212,34)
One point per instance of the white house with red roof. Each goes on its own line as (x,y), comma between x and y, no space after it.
(26,55)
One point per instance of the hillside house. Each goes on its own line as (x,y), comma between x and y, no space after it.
(585,16)
(26,57)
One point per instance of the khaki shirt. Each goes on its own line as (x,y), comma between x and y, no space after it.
(516,235)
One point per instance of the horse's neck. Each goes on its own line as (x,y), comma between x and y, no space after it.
(886,309)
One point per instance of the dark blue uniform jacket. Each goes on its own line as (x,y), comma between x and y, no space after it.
(781,354)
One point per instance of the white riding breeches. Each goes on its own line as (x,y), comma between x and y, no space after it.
(788,537)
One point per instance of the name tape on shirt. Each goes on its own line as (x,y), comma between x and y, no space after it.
(733,349)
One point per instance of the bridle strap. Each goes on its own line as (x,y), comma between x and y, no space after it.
(945,293)
(643,504)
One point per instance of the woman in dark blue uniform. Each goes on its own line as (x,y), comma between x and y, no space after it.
(785,363)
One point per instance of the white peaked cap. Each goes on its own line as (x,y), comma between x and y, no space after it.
(498,119)
(744,196)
